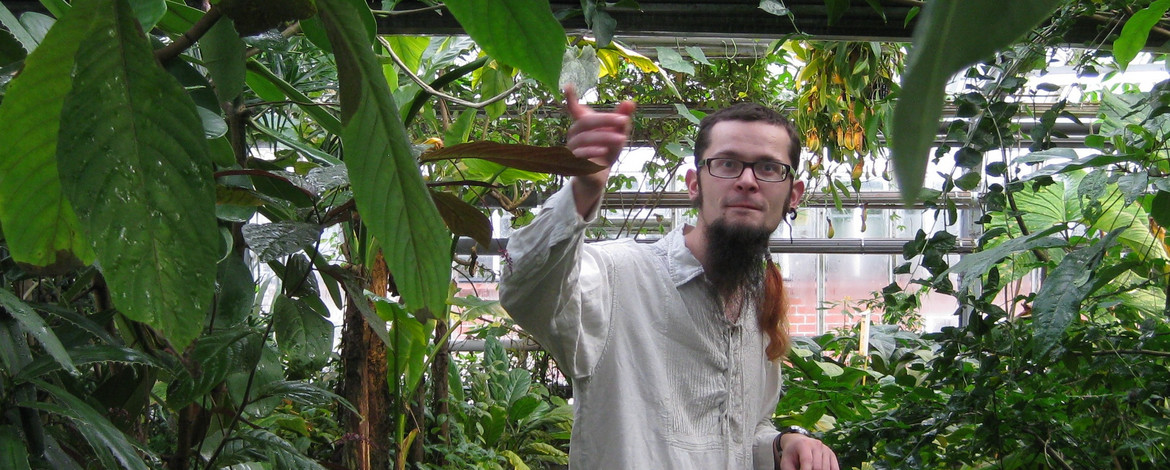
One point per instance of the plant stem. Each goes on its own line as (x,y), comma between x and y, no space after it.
(188,39)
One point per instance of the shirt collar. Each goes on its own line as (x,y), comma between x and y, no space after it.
(682,263)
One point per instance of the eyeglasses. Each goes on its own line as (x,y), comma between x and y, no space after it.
(764,170)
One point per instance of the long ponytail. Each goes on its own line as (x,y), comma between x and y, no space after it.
(773,313)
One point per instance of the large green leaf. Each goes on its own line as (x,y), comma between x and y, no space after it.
(39,224)
(495,78)
(280,239)
(410,49)
(303,335)
(521,33)
(1136,31)
(223,55)
(112,447)
(236,291)
(1059,299)
(949,36)
(134,163)
(387,185)
(35,325)
(1114,214)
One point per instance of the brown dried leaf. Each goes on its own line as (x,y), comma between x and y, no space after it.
(463,218)
(557,160)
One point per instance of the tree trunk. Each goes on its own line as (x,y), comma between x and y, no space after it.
(364,384)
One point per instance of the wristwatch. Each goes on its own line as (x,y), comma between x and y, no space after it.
(796,430)
(787,430)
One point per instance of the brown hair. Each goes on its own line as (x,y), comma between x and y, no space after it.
(773,313)
(747,112)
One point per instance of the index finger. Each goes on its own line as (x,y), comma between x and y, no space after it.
(576,110)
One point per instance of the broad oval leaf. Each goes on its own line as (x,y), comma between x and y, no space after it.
(407,346)
(948,37)
(135,165)
(463,218)
(558,160)
(303,335)
(580,68)
(387,185)
(278,239)
(1059,300)
(672,60)
(40,226)
(521,33)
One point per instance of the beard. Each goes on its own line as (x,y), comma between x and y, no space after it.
(736,256)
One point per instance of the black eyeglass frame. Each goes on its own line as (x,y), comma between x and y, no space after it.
(788,170)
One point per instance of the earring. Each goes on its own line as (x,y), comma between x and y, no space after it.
(792,214)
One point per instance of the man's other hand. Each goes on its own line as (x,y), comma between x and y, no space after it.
(805,453)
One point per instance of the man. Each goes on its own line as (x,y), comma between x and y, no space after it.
(674,348)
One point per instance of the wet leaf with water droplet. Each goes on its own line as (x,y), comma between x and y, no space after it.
(272,241)
(136,167)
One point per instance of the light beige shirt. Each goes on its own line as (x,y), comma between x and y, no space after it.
(661,378)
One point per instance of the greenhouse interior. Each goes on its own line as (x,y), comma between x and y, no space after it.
(254,235)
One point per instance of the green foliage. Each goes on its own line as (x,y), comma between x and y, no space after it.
(1067,376)
(121,347)
(500,415)
(949,37)
(537,50)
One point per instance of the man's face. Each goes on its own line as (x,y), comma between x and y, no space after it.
(744,201)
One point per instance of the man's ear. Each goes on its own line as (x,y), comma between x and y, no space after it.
(795,194)
(692,180)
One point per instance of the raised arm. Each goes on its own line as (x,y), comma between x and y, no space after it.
(599,137)
(549,265)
